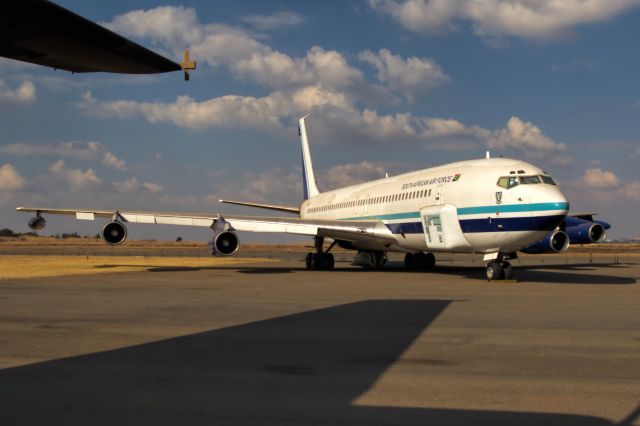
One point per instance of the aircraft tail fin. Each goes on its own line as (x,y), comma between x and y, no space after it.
(309,185)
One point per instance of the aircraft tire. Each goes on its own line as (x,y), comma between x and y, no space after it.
(507,270)
(319,261)
(410,261)
(327,261)
(494,271)
(380,259)
(430,261)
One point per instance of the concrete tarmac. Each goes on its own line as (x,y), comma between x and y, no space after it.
(275,344)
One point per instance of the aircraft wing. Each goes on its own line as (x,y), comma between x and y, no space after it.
(44,33)
(286,209)
(366,231)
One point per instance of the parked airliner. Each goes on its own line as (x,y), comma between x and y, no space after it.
(492,206)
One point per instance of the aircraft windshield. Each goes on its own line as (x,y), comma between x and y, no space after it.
(508,182)
(527,180)
(547,179)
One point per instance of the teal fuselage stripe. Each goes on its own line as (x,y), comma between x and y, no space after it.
(498,208)
(512,208)
(407,215)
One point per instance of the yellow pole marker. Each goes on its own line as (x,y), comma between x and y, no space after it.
(187,65)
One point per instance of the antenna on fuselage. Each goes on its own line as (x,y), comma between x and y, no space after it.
(488,155)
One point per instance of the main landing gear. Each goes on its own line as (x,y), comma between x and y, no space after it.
(419,261)
(320,260)
(500,269)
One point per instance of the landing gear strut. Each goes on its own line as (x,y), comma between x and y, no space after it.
(420,261)
(500,269)
(320,260)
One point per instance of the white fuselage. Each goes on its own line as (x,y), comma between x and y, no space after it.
(456,207)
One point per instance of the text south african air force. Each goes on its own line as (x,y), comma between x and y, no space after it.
(432,181)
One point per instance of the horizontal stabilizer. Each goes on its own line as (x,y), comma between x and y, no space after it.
(286,209)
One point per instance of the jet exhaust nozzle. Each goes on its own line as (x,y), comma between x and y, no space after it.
(555,242)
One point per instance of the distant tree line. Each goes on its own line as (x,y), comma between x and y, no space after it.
(6,232)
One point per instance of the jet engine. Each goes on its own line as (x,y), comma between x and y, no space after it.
(586,233)
(224,243)
(555,242)
(114,233)
(36,223)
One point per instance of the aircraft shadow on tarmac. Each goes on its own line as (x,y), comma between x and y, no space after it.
(305,368)
(561,274)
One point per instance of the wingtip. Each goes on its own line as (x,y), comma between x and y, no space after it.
(302,118)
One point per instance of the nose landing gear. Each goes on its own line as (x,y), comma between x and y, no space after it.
(500,269)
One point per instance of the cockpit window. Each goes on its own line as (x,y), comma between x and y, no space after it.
(547,179)
(507,182)
(527,180)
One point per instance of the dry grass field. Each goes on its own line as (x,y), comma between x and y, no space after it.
(20,267)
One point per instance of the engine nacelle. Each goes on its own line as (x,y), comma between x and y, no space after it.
(37,223)
(224,243)
(585,233)
(555,242)
(114,233)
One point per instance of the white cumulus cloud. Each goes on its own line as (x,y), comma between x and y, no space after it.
(85,150)
(76,178)
(410,76)
(109,159)
(23,94)
(134,185)
(10,179)
(274,21)
(600,179)
(350,174)
(336,119)
(494,19)
(526,137)
(236,49)
(632,191)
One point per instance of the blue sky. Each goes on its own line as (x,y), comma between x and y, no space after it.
(392,86)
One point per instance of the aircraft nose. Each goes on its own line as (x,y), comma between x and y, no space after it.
(550,198)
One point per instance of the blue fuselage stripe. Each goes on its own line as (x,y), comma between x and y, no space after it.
(506,224)
(485,224)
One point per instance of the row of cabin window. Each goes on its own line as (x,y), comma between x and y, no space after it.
(375,200)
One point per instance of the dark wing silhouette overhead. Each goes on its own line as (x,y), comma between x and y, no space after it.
(44,33)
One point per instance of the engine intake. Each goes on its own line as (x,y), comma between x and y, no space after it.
(225,243)
(114,233)
(36,223)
